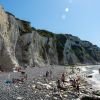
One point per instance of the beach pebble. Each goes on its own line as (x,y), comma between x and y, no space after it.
(16,86)
(36,88)
(47,95)
(65,95)
(33,86)
(55,98)
(19,98)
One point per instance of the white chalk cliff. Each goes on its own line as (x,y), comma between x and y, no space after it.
(22,45)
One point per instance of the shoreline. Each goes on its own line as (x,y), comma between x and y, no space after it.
(93,80)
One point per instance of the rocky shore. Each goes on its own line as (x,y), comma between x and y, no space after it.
(39,87)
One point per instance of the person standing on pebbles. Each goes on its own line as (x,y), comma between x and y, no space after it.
(99,70)
(47,74)
(77,87)
(63,78)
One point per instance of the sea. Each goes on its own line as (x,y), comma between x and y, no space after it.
(94,71)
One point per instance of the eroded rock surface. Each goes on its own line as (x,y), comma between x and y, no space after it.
(22,45)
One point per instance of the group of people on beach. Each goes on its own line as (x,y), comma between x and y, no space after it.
(74,83)
(21,79)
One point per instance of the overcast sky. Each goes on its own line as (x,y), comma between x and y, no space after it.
(77,17)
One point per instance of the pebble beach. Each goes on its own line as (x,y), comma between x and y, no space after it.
(39,87)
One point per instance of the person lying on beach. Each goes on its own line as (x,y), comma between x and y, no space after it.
(16,80)
(7,82)
(17,69)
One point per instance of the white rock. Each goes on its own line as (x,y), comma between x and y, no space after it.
(47,95)
(55,98)
(33,86)
(65,95)
(19,98)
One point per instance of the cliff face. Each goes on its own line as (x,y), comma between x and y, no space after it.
(72,50)
(22,45)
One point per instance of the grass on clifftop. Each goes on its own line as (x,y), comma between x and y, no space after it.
(45,33)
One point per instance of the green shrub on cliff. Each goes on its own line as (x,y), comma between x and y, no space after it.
(45,33)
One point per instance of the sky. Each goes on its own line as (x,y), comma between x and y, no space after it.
(77,17)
